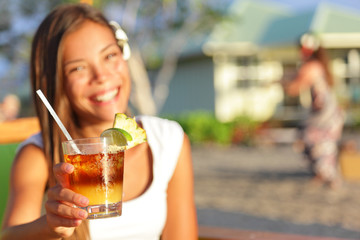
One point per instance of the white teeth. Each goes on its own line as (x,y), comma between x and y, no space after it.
(107,96)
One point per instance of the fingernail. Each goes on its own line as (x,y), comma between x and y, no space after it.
(84,201)
(82,214)
(69,167)
(76,222)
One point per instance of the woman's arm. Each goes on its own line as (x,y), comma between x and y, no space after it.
(28,179)
(181,220)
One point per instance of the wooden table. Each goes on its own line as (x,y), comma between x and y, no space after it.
(17,130)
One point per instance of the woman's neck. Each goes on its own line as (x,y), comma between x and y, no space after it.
(88,129)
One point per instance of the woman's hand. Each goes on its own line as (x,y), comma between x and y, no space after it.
(62,215)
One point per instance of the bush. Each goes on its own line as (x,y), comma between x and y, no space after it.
(203,127)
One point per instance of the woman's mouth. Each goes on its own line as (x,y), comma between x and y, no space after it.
(105,97)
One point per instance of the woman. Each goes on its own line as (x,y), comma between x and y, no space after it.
(322,129)
(78,64)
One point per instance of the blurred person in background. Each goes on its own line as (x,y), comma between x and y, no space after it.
(322,129)
(9,108)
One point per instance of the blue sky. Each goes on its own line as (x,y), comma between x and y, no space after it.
(299,5)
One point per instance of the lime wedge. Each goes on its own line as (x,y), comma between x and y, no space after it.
(125,133)
(116,137)
(129,125)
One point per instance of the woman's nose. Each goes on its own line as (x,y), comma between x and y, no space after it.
(100,73)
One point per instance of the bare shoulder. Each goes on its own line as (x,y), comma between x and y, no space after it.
(309,71)
(186,143)
(29,170)
(185,158)
(313,66)
(184,165)
(30,161)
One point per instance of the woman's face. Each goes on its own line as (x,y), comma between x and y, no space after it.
(97,80)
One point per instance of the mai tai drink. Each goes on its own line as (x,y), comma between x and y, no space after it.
(98,174)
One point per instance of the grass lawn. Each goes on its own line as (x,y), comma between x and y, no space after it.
(7,153)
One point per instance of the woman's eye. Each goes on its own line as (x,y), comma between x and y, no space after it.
(111,55)
(76,69)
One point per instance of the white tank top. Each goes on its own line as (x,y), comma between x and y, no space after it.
(143,218)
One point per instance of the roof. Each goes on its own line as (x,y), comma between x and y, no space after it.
(286,30)
(247,21)
(267,23)
(332,18)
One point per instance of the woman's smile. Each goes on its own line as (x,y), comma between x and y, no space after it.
(106,96)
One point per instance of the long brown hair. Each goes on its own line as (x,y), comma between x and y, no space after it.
(47,74)
(321,55)
(311,48)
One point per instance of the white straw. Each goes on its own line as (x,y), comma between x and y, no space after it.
(53,113)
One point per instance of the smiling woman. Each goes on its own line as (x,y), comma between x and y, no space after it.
(79,62)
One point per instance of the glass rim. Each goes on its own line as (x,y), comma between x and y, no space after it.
(85,141)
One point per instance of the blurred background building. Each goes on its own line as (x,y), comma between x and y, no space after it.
(259,47)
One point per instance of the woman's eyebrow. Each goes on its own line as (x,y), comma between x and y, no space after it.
(72,61)
(108,46)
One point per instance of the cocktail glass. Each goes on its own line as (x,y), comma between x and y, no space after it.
(98,174)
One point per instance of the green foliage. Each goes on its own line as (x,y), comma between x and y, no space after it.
(203,127)
(353,117)
(7,152)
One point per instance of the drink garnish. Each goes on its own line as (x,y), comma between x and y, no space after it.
(128,128)
(117,137)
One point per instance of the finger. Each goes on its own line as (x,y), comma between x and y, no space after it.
(64,210)
(62,194)
(62,171)
(57,221)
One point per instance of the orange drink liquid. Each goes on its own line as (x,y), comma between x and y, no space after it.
(98,175)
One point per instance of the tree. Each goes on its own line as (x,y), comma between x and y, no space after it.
(160,29)
(18,22)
